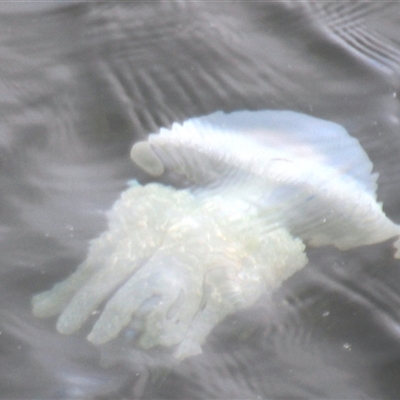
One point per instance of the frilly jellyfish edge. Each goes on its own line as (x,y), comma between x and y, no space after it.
(175,262)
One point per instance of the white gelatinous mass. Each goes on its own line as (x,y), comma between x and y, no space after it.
(254,187)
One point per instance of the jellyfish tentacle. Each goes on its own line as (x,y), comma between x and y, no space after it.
(170,269)
(250,265)
(210,264)
(52,302)
(140,219)
(90,296)
(153,280)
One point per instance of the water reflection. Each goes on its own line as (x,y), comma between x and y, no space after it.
(80,83)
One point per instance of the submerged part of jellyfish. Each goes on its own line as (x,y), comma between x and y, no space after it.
(253,188)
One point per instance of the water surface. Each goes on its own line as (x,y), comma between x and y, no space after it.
(81,82)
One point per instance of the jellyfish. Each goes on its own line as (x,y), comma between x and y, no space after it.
(241,197)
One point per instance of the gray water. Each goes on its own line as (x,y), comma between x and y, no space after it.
(81,82)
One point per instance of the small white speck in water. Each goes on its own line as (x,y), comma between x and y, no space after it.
(347,346)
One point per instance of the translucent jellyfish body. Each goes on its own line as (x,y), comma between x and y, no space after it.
(254,188)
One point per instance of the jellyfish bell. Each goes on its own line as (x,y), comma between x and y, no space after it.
(144,157)
(309,171)
(243,194)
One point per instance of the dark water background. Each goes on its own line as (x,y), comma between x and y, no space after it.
(81,82)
